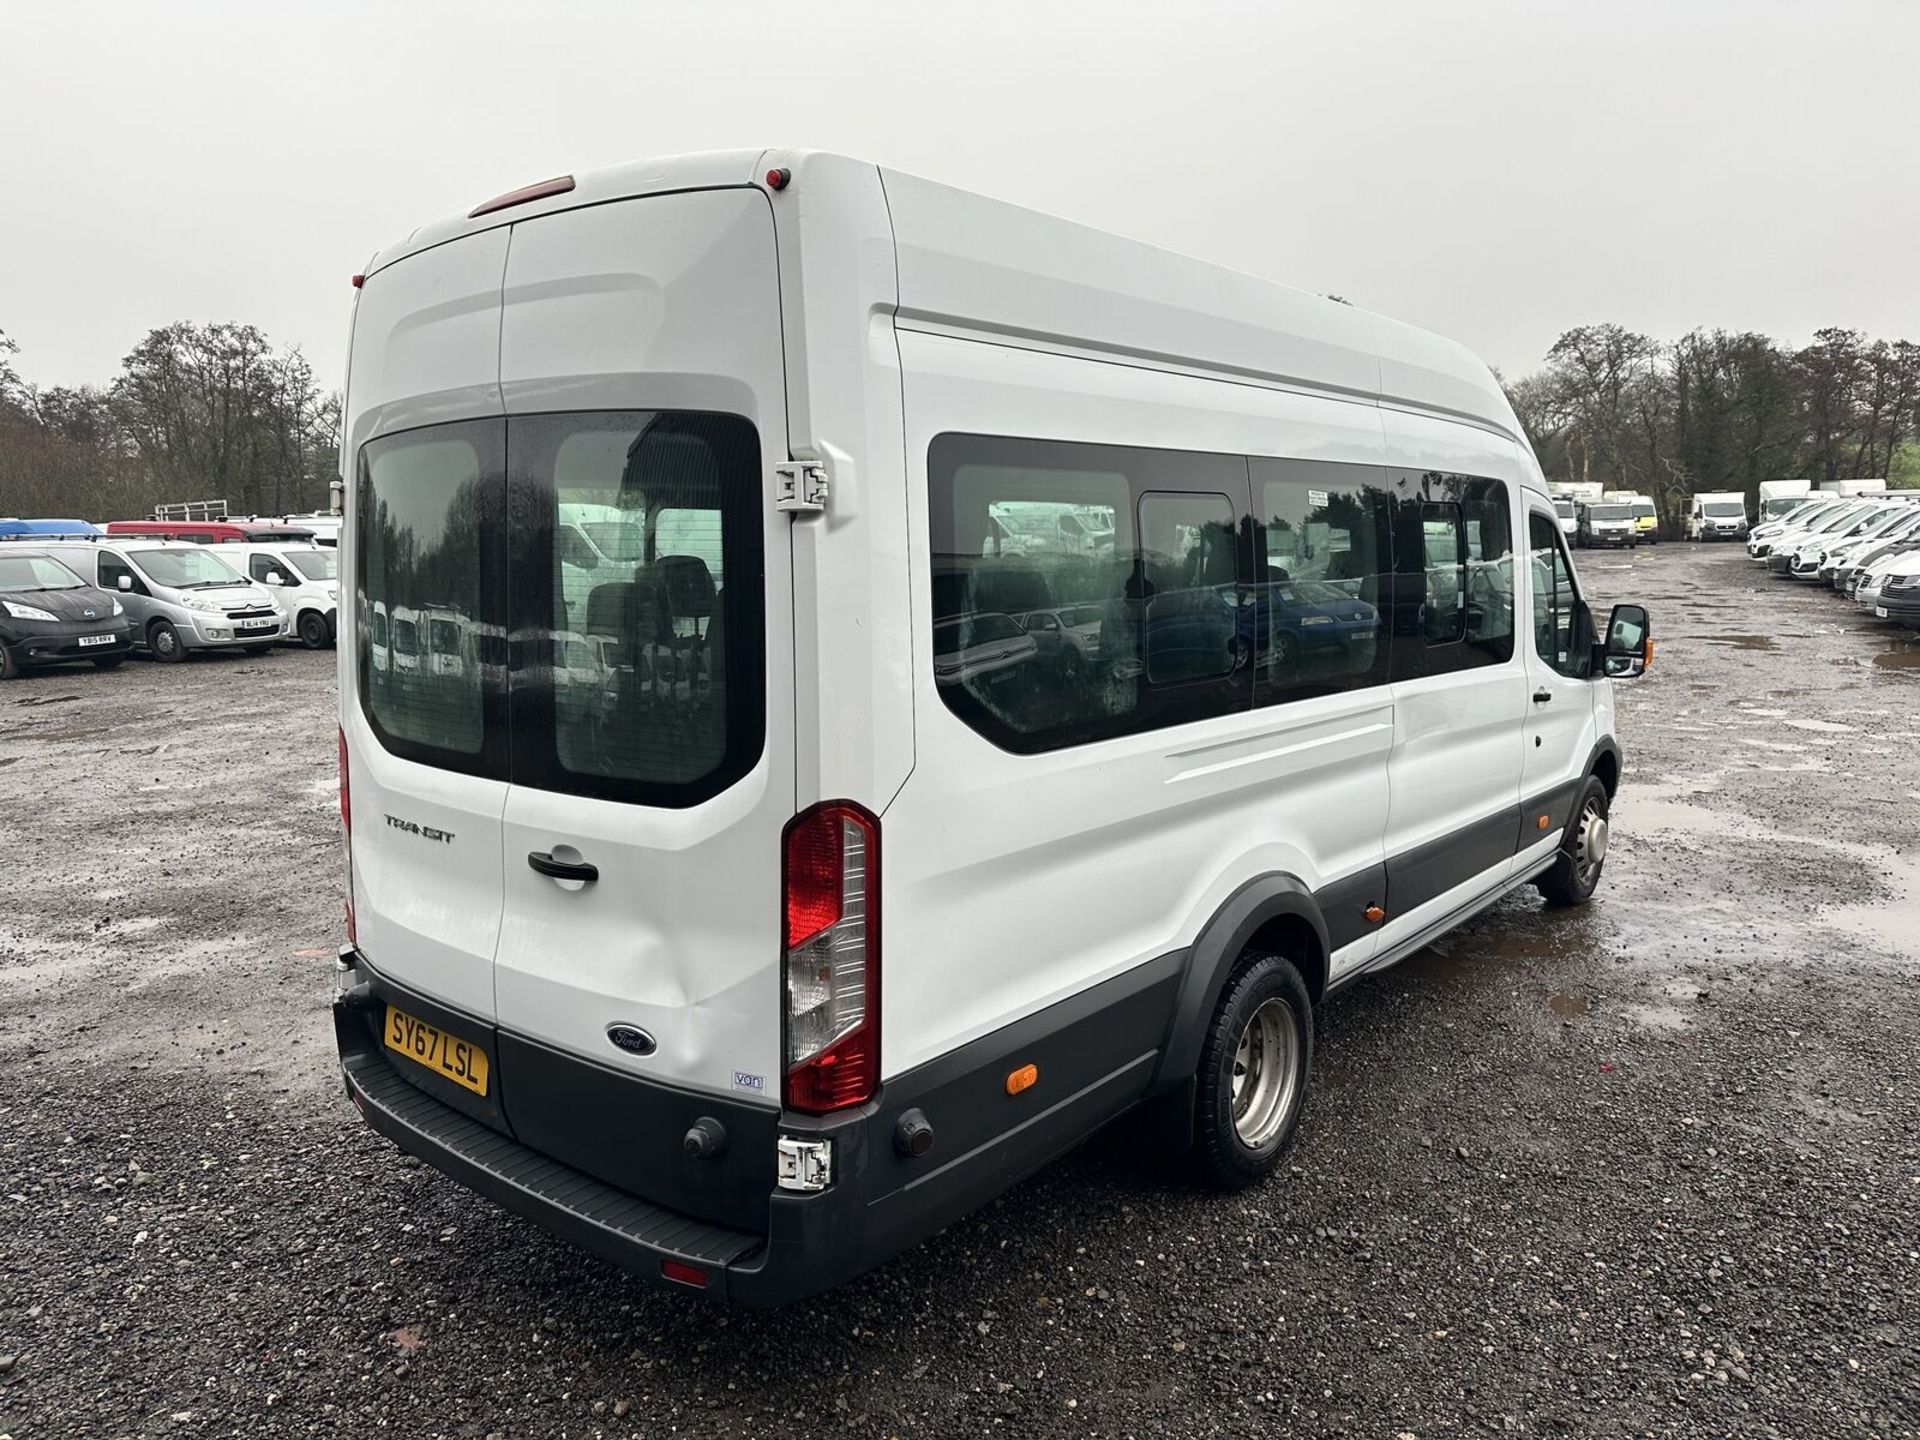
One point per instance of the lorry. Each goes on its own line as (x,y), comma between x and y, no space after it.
(1779,497)
(1853,487)
(1717,515)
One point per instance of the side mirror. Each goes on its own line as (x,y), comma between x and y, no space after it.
(274,577)
(126,583)
(1628,650)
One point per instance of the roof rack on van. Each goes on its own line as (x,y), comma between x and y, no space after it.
(192,510)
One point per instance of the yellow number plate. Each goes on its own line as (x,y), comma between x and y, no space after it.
(459,1060)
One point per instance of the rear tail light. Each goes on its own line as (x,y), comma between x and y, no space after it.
(346,833)
(830,879)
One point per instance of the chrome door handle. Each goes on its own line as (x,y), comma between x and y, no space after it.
(1541,697)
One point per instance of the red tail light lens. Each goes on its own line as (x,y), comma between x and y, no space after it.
(831,880)
(684,1273)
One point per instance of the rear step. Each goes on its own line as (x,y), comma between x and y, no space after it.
(632,1232)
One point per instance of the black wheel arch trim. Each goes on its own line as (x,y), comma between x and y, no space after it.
(1607,746)
(1221,943)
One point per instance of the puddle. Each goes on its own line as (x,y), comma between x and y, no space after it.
(1567,1005)
(1743,642)
(1899,657)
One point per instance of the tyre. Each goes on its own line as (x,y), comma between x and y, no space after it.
(313,630)
(1583,852)
(10,668)
(1254,1067)
(108,662)
(164,641)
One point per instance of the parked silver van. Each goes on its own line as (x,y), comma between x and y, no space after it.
(182,597)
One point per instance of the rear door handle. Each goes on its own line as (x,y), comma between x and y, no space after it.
(561,869)
(1541,697)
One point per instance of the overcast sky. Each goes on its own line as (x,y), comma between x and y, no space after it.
(1494,171)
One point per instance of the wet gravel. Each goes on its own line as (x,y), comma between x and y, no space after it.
(1650,1168)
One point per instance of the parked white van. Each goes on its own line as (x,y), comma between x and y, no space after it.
(823,902)
(303,580)
(182,596)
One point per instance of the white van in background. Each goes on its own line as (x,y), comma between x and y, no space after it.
(776,897)
(1781,497)
(1717,515)
(303,580)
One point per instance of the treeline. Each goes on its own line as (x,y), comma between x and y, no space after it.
(197,412)
(1722,411)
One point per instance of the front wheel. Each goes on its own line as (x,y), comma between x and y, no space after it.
(313,631)
(1254,1067)
(164,641)
(1576,871)
(9,667)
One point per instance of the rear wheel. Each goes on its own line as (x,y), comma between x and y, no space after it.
(164,641)
(1583,852)
(313,630)
(1254,1066)
(107,662)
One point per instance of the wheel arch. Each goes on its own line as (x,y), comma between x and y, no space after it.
(1274,913)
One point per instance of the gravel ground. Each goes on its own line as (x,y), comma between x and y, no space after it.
(1648,1168)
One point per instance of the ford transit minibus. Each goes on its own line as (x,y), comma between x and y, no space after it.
(932,678)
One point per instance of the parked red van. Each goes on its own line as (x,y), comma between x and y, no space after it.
(210,532)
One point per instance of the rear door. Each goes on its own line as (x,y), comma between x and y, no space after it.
(426,526)
(653,683)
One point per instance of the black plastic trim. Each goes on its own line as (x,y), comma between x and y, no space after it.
(1430,870)
(1344,904)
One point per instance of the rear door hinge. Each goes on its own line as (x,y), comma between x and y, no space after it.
(800,487)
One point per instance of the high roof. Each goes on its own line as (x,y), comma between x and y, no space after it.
(976,265)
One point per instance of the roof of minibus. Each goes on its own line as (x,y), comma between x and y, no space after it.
(972,264)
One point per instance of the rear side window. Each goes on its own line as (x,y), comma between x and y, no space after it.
(432,522)
(1085,591)
(638,572)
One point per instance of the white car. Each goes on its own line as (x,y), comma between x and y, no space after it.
(1809,558)
(1760,539)
(304,581)
(815,908)
(1873,580)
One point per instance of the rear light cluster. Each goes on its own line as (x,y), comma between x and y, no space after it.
(346,833)
(830,878)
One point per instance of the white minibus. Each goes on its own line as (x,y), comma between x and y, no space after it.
(781,883)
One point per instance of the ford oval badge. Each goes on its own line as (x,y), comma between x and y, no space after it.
(632,1039)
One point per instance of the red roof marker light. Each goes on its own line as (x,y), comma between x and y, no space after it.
(777,179)
(559,185)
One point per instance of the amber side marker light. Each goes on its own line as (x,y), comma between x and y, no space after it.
(1025,1078)
(1543,822)
(1374,914)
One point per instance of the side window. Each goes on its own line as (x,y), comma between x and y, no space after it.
(1321,562)
(1452,593)
(1554,596)
(261,566)
(431,517)
(1084,591)
(112,567)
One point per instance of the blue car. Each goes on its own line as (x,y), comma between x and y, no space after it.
(1291,620)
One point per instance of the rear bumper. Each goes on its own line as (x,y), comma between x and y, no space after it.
(1096,1055)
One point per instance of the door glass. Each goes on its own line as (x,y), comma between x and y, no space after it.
(1554,596)
(1187,556)
(431,518)
(638,571)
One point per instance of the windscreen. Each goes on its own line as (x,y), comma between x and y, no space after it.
(1723,508)
(187,569)
(314,564)
(1610,512)
(36,572)
(1564,509)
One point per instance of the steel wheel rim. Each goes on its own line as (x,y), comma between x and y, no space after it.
(1265,1074)
(165,641)
(1590,851)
